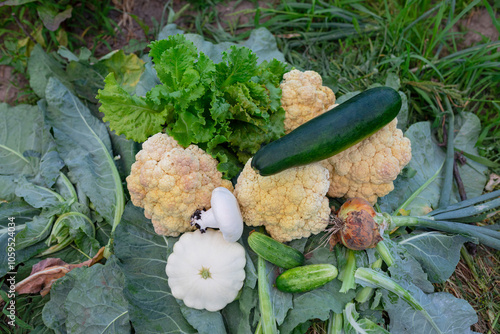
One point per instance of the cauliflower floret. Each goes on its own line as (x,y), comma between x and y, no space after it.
(171,182)
(291,204)
(303,97)
(369,168)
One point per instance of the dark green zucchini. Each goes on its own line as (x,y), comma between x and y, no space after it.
(274,251)
(306,278)
(331,132)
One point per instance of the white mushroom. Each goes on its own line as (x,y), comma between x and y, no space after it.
(224,214)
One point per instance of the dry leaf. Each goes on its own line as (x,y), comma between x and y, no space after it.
(45,272)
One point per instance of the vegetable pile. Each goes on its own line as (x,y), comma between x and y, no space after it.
(207,218)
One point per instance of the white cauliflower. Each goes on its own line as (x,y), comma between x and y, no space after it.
(304,97)
(369,168)
(291,204)
(171,182)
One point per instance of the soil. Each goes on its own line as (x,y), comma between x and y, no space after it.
(476,27)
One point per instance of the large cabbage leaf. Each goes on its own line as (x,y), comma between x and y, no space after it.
(84,144)
(427,160)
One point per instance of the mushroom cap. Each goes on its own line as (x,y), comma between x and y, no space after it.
(227,213)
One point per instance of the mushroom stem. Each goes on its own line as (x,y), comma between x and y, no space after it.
(206,219)
(224,214)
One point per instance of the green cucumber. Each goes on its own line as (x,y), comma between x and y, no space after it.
(331,132)
(274,251)
(306,278)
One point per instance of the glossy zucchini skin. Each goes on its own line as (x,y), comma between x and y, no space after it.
(306,278)
(331,132)
(274,251)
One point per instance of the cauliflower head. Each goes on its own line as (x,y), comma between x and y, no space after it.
(291,204)
(304,97)
(171,182)
(369,168)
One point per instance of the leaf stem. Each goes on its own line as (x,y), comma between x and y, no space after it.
(372,277)
(365,294)
(419,190)
(385,254)
(348,275)
(335,323)
(267,318)
(446,190)
(485,236)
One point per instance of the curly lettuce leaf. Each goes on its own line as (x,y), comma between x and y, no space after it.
(229,109)
(122,111)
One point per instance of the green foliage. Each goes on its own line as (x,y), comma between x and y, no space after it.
(427,159)
(95,292)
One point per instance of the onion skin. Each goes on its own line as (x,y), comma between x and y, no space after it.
(359,230)
(356,204)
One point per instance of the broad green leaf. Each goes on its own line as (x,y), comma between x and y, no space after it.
(79,229)
(452,315)
(89,300)
(54,314)
(96,303)
(84,144)
(36,230)
(86,79)
(37,196)
(237,314)
(26,147)
(407,267)
(316,304)
(438,253)
(41,67)
(204,322)
(148,80)
(19,209)
(66,53)
(7,188)
(124,151)
(127,69)
(427,158)
(472,173)
(143,257)
(261,41)
(51,18)
(133,116)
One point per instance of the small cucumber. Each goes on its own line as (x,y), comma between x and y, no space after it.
(306,278)
(331,132)
(274,251)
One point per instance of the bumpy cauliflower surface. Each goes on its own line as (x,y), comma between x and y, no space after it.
(304,97)
(291,204)
(369,168)
(171,182)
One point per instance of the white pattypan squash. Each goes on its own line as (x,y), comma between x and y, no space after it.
(205,270)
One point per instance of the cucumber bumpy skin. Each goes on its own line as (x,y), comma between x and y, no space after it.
(331,132)
(306,278)
(274,251)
